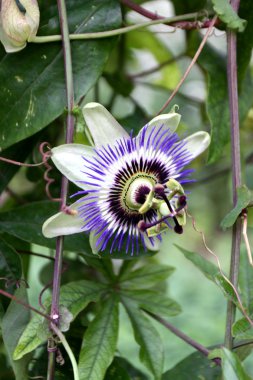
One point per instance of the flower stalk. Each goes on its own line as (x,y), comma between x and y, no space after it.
(236,170)
(64,185)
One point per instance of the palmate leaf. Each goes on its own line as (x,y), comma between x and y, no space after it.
(35,81)
(151,348)
(74,297)
(146,276)
(99,342)
(152,301)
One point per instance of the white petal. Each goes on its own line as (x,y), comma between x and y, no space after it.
(169,121)
(102,125)
(197,143)
(93,241)
(68,159)
(63,223)
(151,247)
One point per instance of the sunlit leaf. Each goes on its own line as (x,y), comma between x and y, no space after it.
(35,81)
(74,296)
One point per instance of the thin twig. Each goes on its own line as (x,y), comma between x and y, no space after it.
(14,298)
(155,68)
(236,170)
(201,46)
(183,336)
(187,25)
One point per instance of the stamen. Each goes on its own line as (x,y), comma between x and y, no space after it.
(143,226)
(159,189)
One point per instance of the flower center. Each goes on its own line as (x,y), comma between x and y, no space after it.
(136,191)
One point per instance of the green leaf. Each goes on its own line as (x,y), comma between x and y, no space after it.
(74,296)
(242,329)
(195,366)
(18,222)
(99,343)
(226,13)
(227,289)
(232,368)
(205,266)
(13,324)
(121,369)
(246,281)
(10,263)
(36,79)
(146,276)
(153,301)
(244,197)
(151,348)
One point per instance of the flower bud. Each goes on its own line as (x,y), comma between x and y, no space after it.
(19,22)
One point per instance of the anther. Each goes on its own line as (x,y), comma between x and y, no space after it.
(159,189)
(142,226)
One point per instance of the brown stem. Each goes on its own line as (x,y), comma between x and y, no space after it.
(187,25)
(236,170)
(183,336)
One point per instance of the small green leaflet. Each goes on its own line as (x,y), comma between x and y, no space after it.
(226,13)
(244,197)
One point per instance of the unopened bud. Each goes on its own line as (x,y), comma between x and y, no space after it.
(19,22)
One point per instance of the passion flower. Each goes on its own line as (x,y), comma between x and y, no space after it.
(131,187)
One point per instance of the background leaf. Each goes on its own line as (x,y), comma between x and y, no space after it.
(214,64)
(13,324)
(10,263)
(39,72)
